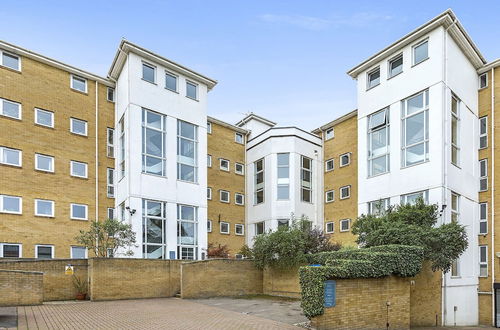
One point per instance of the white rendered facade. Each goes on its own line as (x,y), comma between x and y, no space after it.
(445,71)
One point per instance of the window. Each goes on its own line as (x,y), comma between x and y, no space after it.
(78,252)
(187,232)
(44,117)
(209,127)
(209,226)
(239,199)
(154,153)
(239,229)
(224,196)
(396,65)
(330,196)
(483,132)
(121,209)
(8,250)
(329,165)
(10,109)
(191,90)
(187,151)
(121,123)
(483,261)
(329,134)
(154,227)
(79,84)
(111,182)
(455,207)
(239,168)
(455,268)
(224,228)
(283,176)
(44,163)
(345,192)
(373,78)
(111,213)
(345,225)
(78,169)
(483,80)
(10,156)
(11,61)
(283,223)
(329,227)
(238,138)
(209,161)
(224,164)
(306,179)
(78,126)
(378,143)
(259,181)
(110,253)
(455,126)
(420,52)
(44,252)
(483,218)
(11,204)
(260,228)
(44,208)
(413,197)
(148,72)
(483,175)
(110,138)
(110,95)
(415,129)
(345,159)
(171,82)
(378,207)
(79,211)
(209,193)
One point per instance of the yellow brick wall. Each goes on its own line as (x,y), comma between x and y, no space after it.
(43,86)
(345,140)
(20,288)
(221,144)
(282,283)
(425,298)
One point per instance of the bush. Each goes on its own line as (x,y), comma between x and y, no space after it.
(219,251)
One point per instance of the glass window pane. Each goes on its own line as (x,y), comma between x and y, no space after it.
(415,154)
(283,159)
(420,52)
(78,126)
(11,109)
(78,252)
(44,163)
(79,84)
(283,172)
(396,66)
(79,211)
(374,78)
(79,169)
(187,172)
(415,128)
(379,165)
(153,120)
(154,230)
(154,252)
(171,82)
(44,207)
(154,142)
(153,165)
(306,195)
(483,227)
(44,252)
(191,90)
(148,73)
(483,211)
(11,251)
(187,151)
(11,204)
(415,103)
(377,119)
(378,142)
(10,61)
(283,192)
(187,233)
(187,130)
(12,157)
(44,117)
(153,208)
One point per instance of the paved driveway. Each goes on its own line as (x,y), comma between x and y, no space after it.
(166,313)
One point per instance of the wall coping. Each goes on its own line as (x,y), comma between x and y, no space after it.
(216,259)
(4,260)
(20,271)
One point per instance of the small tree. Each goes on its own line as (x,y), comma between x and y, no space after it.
(110,234)
(217,251)
(414,225)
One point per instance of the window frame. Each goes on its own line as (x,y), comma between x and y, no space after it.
(485,134)
(53,208)
(485,220)
(236,135)
(20,154)
(371,157)
(19,107)
(455,212)
(71,167)
(189,82)
(110,143)
(209,160)
(263,223)
(180,158)
(168,73)
(484,177)
(332,160)
(112,209)
(236,195)
(383,202)
(228,228)
(110,191)
(242,172)
(209,127)
(332,223)
(348,187)
(209,193)
(485,262)
(19,245)
(369,74)
(415,46)
(46,111)
(392,60)
(52,250)
(121,140)
(259,187)
(348,154)
(81,247)
(20,203)
(72,119)
(144,146)
(304,187)
(72,217)
(44,170)
(327,136)
(221,191)
(239,225)
(404,118)
(342,221)
(479,80)
(283,183)
(112,90)
(209,226)
(228,168)
(76,77)
(332,192)
(425,196)
(2,52)
(152,66)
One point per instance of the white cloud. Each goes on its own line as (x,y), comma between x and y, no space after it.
(305,22)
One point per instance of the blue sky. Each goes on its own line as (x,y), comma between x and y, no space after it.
(284,60)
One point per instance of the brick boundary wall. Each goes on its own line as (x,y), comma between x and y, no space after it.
(18,288)
(219,278)
(282,283)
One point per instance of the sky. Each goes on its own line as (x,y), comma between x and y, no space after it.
(283,60)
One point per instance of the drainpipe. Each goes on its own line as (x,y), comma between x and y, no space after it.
(492,193)
(97,158)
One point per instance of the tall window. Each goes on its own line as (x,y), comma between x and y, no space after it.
(455,207)
(455,125)
(283,176)
(154,229)
(191,90)
(110,95)
(187,148)
(154,153)
(455,268)
(259,181)
(378,207)
(378,142)
(122,147)
(396,65)
(110,142)
(483,175)
(187,232)
(306,179)
(111,182)
(483,260)
(483,218)
(415,129)
(483,132)
(483,80)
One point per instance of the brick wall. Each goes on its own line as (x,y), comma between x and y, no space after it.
(112,279)
(362,304)
(220,277)
(56,285)
(425,299)
(281,283)
(20,288)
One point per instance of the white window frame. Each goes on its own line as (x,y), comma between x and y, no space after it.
(236,135)
(479,82)
(348,154)
(19,245)
(110,191)
(71,120)
(455,211)
(221,191)
(3,161)
(154,72)
(259,187)
(369,74)
(343,188)
(228,228)
(332,161)
(2,113)
(188,82)
(72,163)
(239,225)
(404,118)
(77,218)
(209,160)
(44,170)
(455,117)
(162,130)
(242,171)
(385,125)
(455,268)
(52,250)
(392,60)
(348,221)
(112,210)
(236,195)
(12,55)
(112,90)
(48,112)
(226,169)
(425,196)
(303,186)
(209,127)
(209,226)
(383,203)
(71,252)
(332,192)
(483,177)
(53,207)
(421,42)
(485,220)
(329,134)
(209,193)
(485,262)
(283,183)
(183,160)
(333,227)
(75,77)
(485,134)
(110,143)
(168,73)
(20,199)
(263,227)
(121,164)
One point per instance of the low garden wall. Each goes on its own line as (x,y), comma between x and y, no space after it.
(425,298)
(20,288)
(281,283)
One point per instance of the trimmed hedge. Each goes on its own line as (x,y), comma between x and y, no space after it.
(380,261)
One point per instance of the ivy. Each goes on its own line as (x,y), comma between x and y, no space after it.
(379,261)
